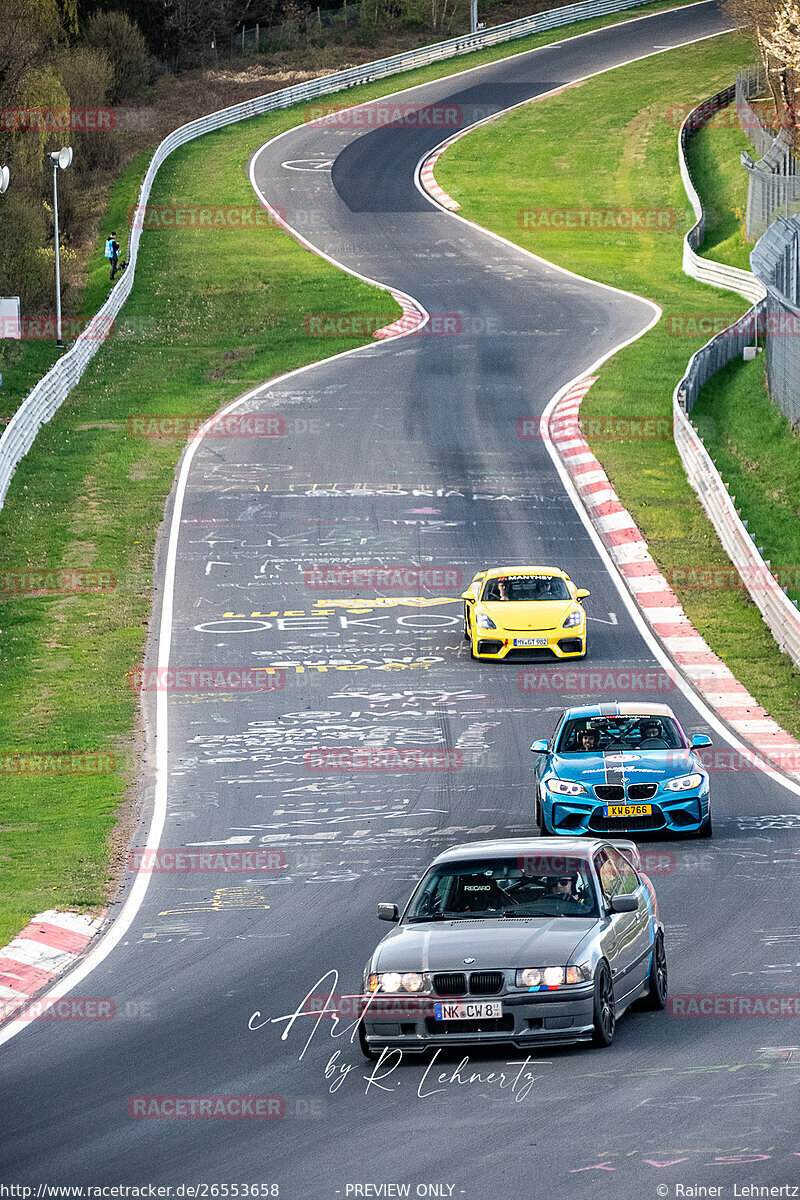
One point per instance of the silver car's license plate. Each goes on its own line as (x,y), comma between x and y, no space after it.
(530,641)
(471,1010)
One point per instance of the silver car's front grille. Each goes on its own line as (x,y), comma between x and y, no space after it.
(486,983)
(454,984)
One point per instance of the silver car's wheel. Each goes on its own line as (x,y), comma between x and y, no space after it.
(605,1015)
(656,997)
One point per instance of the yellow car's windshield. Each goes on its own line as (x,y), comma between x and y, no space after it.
(525,587)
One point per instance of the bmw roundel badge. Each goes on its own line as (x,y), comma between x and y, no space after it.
(469,961)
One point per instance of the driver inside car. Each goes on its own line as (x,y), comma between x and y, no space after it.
(564,887)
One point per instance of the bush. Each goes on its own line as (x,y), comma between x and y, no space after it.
(23,232)
(88,79)
(126,50)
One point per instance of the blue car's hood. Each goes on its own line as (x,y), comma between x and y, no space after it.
(637,766)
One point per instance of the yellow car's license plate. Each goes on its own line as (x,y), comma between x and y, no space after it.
(627,810)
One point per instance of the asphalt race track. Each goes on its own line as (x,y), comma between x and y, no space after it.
(406,453)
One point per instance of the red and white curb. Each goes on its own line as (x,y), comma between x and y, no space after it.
(47,947)
(655,598)
(429,183)
(411,319)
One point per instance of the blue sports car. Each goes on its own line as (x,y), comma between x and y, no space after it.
(621,768)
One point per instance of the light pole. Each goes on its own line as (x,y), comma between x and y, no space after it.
(60,158)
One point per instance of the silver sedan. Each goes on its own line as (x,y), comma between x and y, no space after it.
(530,941)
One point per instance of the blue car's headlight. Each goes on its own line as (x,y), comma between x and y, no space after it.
(484,621)
(685,783)
(573,619)
(566,787)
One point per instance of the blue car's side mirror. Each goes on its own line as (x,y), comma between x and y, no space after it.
(539,747)
(700,739)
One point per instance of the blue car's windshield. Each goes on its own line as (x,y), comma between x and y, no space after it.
(525,886)
(525,587)
(593,735)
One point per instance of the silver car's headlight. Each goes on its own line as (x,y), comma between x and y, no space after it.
(484,621)
(551,977)
(566,787)
(394,981)
(685,783)
(573,619)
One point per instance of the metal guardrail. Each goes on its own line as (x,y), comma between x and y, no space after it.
(779,612)
(44,400)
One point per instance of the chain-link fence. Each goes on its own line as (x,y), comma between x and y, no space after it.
(776,261)
(774,183)
(298,32)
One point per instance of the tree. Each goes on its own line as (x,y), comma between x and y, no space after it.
(780,39)
(775,28)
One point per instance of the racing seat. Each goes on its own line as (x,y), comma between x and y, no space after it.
(477,893)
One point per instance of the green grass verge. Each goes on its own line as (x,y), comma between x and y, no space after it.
(211,314)
(757,452)
(611,143)
(714,158)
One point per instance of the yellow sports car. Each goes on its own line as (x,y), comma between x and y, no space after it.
(512,612)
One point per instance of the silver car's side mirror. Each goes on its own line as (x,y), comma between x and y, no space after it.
(539,747)
(623,904)
(388,912)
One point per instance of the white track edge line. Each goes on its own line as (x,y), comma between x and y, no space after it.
(135,897)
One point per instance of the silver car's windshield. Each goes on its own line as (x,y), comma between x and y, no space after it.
(528,886)
(593,735)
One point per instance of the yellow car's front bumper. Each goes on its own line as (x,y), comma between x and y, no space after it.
(500,644)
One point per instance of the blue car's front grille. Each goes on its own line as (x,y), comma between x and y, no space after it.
(642,791)
(600,824)
(612,793)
